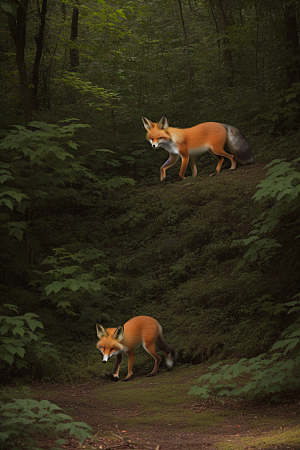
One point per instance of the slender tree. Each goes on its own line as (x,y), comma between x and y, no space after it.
(17,21)
(188,67)
(74,52)
(292,42)
(39,39)
(224,41)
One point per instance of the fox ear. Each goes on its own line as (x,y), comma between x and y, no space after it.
(147,123)
(119,333)
(163,124)
(101,331)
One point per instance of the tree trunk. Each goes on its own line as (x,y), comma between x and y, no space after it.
(74,52)
(292,43)
(39,39)
(227,57)
(186,50)
(217,30)
(17,27)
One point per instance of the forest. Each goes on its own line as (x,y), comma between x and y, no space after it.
(89,233)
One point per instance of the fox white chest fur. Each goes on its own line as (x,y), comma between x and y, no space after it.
(167,144)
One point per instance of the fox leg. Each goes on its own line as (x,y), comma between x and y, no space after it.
(184,163)
(221,154)
(233,162)
(131,358)
(117,366)
(173,158)
(150,348)
(193,165)
(219,165)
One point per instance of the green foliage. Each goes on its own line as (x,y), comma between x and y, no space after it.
(36,162)
(279,192)
(92,96)
(283,111)
(8,7)
(61,271)
(19,339)
(43,176)
(79,244)
(283,184)
(42,160)
(25,422)
(77,284)
(271,373)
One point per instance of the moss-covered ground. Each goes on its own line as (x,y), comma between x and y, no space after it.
(157,413)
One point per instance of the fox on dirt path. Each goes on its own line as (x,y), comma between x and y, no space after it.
(114,341)
(189,142)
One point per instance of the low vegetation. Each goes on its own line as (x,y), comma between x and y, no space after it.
(89,233)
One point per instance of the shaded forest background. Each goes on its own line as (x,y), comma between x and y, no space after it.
(89,233)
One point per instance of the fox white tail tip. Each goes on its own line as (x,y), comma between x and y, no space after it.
(169,360)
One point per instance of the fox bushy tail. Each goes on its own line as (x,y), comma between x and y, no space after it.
(238,145)
(169,350)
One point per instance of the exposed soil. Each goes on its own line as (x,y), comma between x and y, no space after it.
(119,424)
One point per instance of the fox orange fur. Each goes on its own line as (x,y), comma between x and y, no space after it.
(114,341)
(189,142)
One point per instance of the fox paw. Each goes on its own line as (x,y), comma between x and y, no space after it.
(110,376)
(128,378)
(113,377)
(214,173)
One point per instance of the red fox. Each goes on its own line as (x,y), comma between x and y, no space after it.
(189,142)
(114,341)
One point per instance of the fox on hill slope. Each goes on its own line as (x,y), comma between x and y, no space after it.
(189,142)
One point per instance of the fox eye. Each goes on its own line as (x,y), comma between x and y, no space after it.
(112,349)
(103,348)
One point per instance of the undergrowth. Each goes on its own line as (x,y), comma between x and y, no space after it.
(110,251)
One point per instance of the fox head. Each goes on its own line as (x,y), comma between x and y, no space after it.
(109,341)
(156,132)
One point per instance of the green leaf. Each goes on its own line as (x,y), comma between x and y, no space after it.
(8,358)
(20,351)
(10,348)
(55,287)
(8,8)
(7,202)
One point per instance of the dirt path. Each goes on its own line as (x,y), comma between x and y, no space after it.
(157,413)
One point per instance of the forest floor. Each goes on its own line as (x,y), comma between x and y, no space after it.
(158,414)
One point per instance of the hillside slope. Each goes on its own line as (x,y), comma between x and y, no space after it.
(170,248)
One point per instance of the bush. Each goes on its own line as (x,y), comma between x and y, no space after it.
(25,422)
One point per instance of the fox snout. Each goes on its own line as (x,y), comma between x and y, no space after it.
(105,358)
